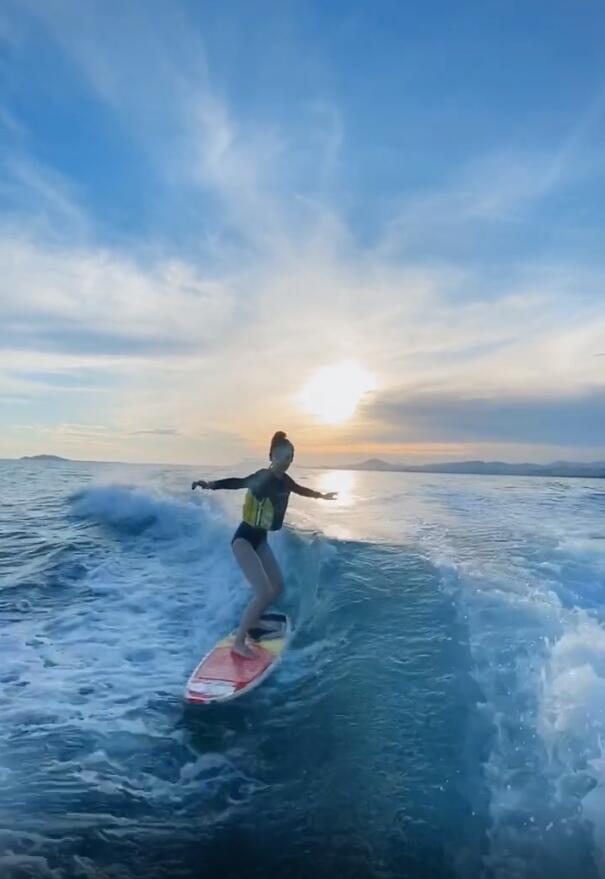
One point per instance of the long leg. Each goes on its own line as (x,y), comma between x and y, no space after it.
(254,572)
(272,569)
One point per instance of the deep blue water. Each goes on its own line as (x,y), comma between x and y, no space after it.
(441,711)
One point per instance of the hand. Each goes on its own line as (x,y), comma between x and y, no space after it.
(330,496)
(201,483)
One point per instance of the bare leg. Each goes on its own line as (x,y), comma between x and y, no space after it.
(276,581)
(272,569)
(255,574)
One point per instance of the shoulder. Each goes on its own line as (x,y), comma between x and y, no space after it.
(259,477)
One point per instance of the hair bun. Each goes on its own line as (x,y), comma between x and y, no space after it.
(279,437)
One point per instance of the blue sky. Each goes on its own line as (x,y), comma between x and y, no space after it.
(204,204)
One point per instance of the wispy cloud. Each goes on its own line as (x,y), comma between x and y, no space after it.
(153,73)
(87,301)
(40,199)
(156,431)
(494,198)
(275,279)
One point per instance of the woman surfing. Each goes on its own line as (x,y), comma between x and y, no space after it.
(264,509)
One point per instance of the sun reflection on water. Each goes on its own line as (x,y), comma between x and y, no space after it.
(342,481)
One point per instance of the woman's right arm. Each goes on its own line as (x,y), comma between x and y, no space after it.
(229,482)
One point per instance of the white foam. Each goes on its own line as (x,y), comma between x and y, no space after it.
(33,865)
(135,510)
(524,566)
(526,570)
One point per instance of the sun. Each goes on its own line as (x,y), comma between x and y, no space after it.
(333,392)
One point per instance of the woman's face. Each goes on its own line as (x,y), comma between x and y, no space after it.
(282,457)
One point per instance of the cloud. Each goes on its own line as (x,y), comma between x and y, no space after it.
(112,440)
(156,431)
(40,335)
(240,173)
(91,301)
(447,416)
(8,121)
(80,379)
(274,282)
(41,198)
(500,205)
(489,191)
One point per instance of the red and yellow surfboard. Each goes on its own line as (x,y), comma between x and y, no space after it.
(223,675)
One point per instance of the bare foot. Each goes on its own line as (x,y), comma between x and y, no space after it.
(243,650)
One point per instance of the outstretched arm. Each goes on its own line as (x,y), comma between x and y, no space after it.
(309,492)
(229,482)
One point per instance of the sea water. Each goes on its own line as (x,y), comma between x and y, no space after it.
(441,711)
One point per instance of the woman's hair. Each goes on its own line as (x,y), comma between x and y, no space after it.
(279,439)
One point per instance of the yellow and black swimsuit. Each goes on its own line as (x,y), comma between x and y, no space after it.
(265,502)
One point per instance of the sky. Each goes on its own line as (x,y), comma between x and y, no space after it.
(378,226)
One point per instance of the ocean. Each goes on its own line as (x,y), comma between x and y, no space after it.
(441,711)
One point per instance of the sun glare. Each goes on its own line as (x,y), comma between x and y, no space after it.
(333,392)
(341,481)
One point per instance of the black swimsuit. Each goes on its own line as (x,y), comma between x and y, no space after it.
(254,536)
(265,503)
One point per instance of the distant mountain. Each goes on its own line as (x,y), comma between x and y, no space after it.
(375,464)
(42,458)
(594,469)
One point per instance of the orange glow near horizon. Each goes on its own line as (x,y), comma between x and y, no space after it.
(353,452)
(334,453)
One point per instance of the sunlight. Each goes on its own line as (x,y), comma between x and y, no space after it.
(333,392)
(342,481)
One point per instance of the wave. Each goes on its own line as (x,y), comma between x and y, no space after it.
(192,538)
(133,510)
(162,585)
(539,660)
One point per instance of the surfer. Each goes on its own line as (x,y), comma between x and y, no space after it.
(264,509)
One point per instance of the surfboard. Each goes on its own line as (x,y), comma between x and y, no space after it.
(223,675)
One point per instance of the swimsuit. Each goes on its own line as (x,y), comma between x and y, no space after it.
(254,536)
(265,502)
